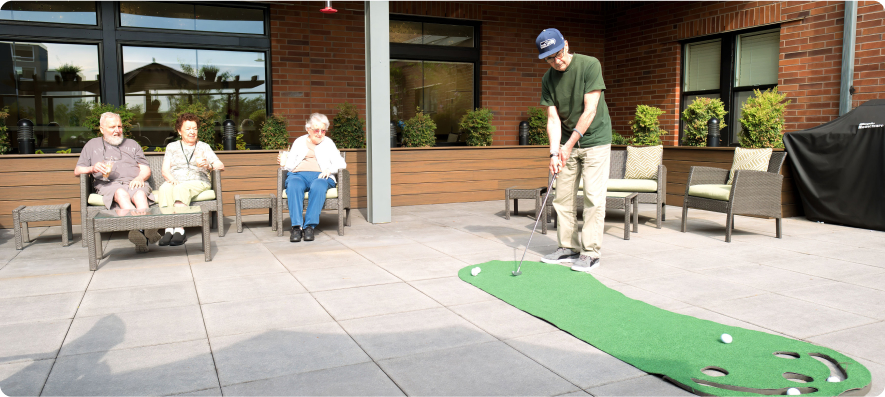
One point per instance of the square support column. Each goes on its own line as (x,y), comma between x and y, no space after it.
(378,110)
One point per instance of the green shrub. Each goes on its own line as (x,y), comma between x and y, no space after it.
(696,116)
(240,144)
(762,119)
(5,144)
(538,126)
(478,124)
(419,131)
(96,109)
(159,149)
(207,121)
(618,139)
(646,128)
(274,134)
(66,151)
(348,130)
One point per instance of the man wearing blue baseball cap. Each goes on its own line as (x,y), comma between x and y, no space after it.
(579,129)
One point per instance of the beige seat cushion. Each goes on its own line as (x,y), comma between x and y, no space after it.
(96,199)
(330,194)
(643,162)
(715,192)
(632,185)
(749,159)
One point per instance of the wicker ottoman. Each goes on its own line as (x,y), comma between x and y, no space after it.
(247,201)
(24,214)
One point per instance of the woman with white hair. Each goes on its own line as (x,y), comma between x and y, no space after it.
(312,162)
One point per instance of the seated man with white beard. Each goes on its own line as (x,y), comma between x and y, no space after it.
(119,171)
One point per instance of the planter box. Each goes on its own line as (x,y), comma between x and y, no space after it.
(419,175)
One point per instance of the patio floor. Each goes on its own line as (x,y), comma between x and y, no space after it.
(380,310)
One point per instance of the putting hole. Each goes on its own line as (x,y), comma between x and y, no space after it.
(714,371)
(835,369)
(797,377)
(789,355)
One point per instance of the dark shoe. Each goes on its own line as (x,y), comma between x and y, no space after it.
(586,264)
(308,234)
(177,239)
(164,241)
(295,234)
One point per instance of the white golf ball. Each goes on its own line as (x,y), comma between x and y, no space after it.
(793,391)
(475,271)
(834,379)
(725,338)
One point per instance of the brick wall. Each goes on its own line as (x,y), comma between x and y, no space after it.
(318,59)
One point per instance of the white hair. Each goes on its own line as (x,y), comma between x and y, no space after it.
(317,118)
(108,115)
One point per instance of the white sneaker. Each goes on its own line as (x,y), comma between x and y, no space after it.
(586,264)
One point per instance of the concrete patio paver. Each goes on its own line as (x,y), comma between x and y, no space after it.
(380,310)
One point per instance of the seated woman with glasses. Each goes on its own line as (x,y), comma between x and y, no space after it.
(312,162)
(186,168)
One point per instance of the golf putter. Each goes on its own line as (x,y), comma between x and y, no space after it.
(538,219)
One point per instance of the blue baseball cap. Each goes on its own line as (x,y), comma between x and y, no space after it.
(549,42)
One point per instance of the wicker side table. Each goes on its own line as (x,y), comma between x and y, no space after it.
(625,200)
(249,201)
(24,214)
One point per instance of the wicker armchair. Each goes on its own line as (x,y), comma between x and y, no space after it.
(337,198)
(156,179)
(751,193)
(617,171)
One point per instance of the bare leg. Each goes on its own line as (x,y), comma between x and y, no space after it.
(140,199)
(179,204)
(123,200)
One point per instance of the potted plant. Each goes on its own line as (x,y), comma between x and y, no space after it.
(538,126)
(696,116)
(348,130)
(274,133)
(69,72)
(618,139)
(478,124)
(5,145)
(762,119)
(419,131)
(646,128)
(210,72)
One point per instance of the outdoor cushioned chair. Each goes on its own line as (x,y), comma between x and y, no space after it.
(651,191)
(337,198)
(750,193)
(90,202)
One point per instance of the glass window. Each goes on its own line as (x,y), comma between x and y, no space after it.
(702,65)
(52,85)
(757,59)
(162,15)
(73,12)
(443,90)
(408,32)
(158,81)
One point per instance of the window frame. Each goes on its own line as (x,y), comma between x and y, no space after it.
(26,24)
(727,69)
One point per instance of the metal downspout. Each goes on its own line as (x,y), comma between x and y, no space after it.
(848,36)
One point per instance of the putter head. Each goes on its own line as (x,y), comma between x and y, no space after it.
(516,272)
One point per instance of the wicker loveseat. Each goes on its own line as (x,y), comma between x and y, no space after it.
(650,191)
(337,198)
(90,202)
(751,193)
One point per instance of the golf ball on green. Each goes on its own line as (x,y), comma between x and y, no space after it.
(833,379)
(725,338)
(793,391)
(475,271)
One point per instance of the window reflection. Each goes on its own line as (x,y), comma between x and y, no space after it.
(443,90)
(159,81)
(73,12)
(408,32)
(52,85)
(157,15)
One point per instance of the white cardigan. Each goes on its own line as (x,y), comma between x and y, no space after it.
(328,156)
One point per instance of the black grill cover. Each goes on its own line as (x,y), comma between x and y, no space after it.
(840,168)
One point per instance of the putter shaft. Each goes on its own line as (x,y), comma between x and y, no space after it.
(537,219)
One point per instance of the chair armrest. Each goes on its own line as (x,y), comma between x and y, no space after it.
(344,187)
(662,179)
(281,179)
(86,189)
(757,193)
(216,185)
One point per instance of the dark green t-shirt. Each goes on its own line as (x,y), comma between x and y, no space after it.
(566,90)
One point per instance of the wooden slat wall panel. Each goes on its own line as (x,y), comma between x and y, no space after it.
(419,176)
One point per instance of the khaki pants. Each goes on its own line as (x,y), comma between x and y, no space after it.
(184,192)
(591,165)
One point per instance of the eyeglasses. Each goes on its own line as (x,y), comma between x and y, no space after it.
(558,55)
(319,131)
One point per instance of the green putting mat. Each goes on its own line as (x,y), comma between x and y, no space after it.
(657,341)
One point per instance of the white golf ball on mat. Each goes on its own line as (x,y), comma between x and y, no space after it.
(475,271)
(725,338)
(833,379)
(793,391)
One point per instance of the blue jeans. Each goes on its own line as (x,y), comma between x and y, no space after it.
(306,181)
